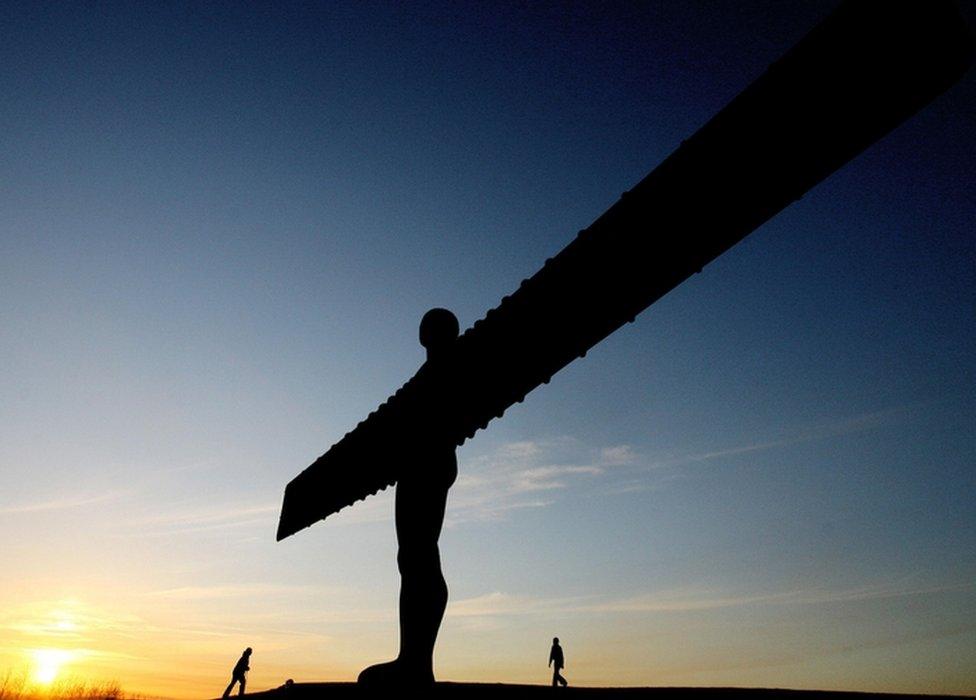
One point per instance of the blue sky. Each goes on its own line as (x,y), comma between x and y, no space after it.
(222,224)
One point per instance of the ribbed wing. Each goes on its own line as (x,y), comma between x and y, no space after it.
(864,70)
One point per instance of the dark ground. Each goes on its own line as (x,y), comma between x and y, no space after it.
(478,691)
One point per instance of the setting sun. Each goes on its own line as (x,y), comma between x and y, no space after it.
(391,341)
(48,663)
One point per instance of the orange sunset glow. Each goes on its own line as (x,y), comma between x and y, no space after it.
(647,325)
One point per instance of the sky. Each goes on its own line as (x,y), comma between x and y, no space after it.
(221,224)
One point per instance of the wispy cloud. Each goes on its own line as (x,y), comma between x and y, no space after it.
(817,431)
(211,515)
(531,473)
(528,474)
(617,456)
(503,604)
(62,502)
(249,590)
(685,600)
(195,519)
(66,620)
(549,477)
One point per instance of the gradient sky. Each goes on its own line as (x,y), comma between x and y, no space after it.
(221,224)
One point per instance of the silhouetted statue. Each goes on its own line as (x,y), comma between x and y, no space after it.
(865,69)
(840,89)
(421,498)
(557,662)
(239,674)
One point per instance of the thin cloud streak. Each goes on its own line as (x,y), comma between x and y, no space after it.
(202,528)
(63,503)
(515,475)
(201,520)
(681,601)
(211,515)
(237,591)
(493,484)
(821,431)
(677,602)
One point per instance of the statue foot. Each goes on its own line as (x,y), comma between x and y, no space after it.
(395,674)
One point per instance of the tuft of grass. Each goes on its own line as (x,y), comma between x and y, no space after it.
(17,687)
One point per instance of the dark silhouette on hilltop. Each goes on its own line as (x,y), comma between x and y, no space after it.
(504,691)
(239,674)
(421,498)
(558,662)
(869,66)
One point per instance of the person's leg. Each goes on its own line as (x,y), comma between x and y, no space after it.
(555,676)
(421,500)
(242,680)
(230,687)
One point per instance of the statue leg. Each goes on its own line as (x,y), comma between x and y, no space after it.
(423,590)
(421,500)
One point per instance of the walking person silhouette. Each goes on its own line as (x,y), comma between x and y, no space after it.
(238,675)
(421,499)
(557,662)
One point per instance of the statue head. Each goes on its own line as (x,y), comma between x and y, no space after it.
(438,329)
